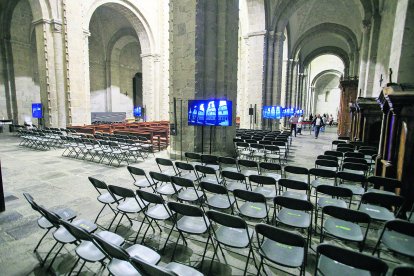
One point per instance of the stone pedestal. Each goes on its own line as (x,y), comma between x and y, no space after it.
(395,158)
(347,101)
(203,65)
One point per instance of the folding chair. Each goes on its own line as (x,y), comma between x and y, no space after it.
(243,149)
(230,231)
(335,260)
(288,184)
(327,157)
(265,185)
(166,166)
(141,179)
(403,271)
(163,184)
(188,191)
(119,257)
(344,224)
(294,213)
(186,170)
(193,158)
(220,198)
(351,181)
(254,206)
(234,180)
(383,184)
(326,164)
(210,161)
(248,167)
(208,174)
(192,221)
(171,269)
(297,173)
(105,196)
(271,170)
(281,247)
(272,153)
(379,206)
(258,151)
(228,164)
(322,177)
(397,236)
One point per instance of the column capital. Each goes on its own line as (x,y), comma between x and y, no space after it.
(56,25)
(280,35)
(257,33)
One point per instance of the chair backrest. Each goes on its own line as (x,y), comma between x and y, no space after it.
(52,217)
(192,156)
(351,258)
(227,160)
(344,150)
(183,182)
(209,159)
(355,167)
(135,171)
(385,200)
(247,163)
(355,160)
(270,166)
(327,157)
(347,176)
(293,203)
(233,175)
(335,191)
(403,271)
(76,231)
(326,163)
(257,146)
(242,144)
(184,166)
(353,155)
(156,176)
(249,196)
(260,179)
(205,169)
(345,145)
(369,152)
(150,197)
(279,235)
(185,209)
(296,170)
(121,191)
(147,269)
(389,184)
(334,153)
(400,226)
(346,214)
(213,188)
(164,162)
(98,184)
(31,201)
(110,250)
(317,172)
(226,219)
(293,184)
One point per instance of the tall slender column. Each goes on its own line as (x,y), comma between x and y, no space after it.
(277,70)
(366,32)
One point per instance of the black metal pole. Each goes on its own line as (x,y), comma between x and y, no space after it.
(2,201)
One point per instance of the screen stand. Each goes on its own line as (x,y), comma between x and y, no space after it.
(202,139)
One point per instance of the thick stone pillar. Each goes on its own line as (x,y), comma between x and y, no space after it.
(277,70)
(372,56)
(148,96)
(366,32)
(203,65)
(348,99)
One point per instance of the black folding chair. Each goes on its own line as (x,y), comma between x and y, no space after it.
(209,174)
(381,207)
(220,198)
(355,182)
(171,269)
(166,166)
(141,179)
(186,170)
(335,260)
(163,184)
(105,196)
(248,167)
(271,170)
(297,173)
(234,180)
(188,191)
(254,206)
(287,185)
(383,184)
(265,185)
(228,164)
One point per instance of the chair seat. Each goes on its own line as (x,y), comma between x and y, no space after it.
(44,223)
(63,236)
(190,194)
(106,198)
(183,270)
(298,177)
(158,212)
(294,218)
(190,176)
(377,212)
(89,252)
(380,191)
(322,181)
(230,169)
(255,210)
(282,254)
(220,201)
(167,189)
(130,206)
(247,172)
(328,266)
(233,185)
(142,183)
(215,167)
(354,171)
(276,176)
(233,237)
(343,229)
(211,179)
(328,201)
(193,225)
(356,190)
(169,172)
(267,191)
(398,242)
(296,195)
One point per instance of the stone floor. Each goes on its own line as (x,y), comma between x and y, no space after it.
(55,181)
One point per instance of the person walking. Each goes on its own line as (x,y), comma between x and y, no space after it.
(299,125)
(317,123)
(293,122)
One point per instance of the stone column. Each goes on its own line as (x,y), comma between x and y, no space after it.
(148,95)
(269,67)
(372,55)
(348,97)
(366,32)
(277,69)
(203,65)
(289,82)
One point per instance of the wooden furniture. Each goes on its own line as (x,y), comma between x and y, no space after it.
(366,121)
(349,89)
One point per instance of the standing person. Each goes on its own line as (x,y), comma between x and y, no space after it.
(325,121)
(299,125)
(330,120)
(310,117)
(293,122)
(317,123)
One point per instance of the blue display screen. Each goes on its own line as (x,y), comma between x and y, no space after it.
(138,111)
(272,112)
(209,112)
(37,110)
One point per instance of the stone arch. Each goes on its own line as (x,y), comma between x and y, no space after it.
(332,98)
(325,72)
(336,51)
(134,16)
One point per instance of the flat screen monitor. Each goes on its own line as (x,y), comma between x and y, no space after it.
(37,110)
(209,112)
(138,111)
(267,112)
(272,112)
